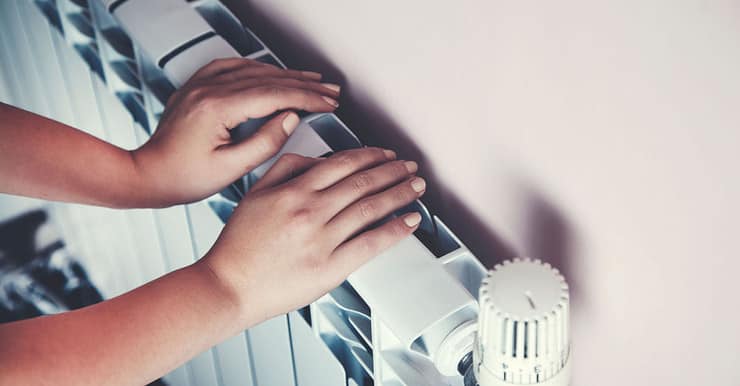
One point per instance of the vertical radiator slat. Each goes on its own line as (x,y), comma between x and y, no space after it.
(314,363)
(10,60)
(38,31)
(7,87)
(177,252)
(55,92)
(273,361)
(32,94)
(93,224)
(203,366)
(233,362)
(16,43)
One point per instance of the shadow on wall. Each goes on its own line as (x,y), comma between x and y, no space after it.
(548,234)
(550,237)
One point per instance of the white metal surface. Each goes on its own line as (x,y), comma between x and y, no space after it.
(161,26)
(182,66)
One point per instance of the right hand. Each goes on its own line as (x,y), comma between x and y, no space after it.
(308,224)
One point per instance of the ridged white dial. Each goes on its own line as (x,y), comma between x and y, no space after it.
(523,333)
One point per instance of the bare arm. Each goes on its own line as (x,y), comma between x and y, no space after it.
(189,157)
(46,159)
(129,340)
(289,242)
(304,227)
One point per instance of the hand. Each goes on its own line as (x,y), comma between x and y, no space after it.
(308,224)
(191,156)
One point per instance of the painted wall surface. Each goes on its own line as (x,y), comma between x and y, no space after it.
(600,136)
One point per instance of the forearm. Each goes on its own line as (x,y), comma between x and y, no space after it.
(131,339)
(46,159)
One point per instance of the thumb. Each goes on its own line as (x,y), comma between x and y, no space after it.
(264,143)
(287,166)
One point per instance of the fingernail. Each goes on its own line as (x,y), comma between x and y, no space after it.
(411,166)
(311,74)
(412,219)
(331,101)
(332,86)
(390,154)
(418,184)
(290,122)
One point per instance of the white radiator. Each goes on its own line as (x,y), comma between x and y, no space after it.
(385,326)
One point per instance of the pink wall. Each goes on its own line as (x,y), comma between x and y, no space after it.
(601,136)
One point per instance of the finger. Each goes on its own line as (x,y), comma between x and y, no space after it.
(372,209)
(222,65)
(286,167)
(367,182)
(343,164)
(248,72)
(354,253)
(262,101)
(263,144)
(244,84)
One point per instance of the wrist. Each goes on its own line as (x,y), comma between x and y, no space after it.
(229,292)
(121,181)
(150,191)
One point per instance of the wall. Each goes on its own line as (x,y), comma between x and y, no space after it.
(601,136)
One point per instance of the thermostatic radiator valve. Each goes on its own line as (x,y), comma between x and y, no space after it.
(523,333)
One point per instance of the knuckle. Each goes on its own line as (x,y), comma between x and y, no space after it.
(315,263)
(398,229)
(404,194)
(232,76)
(344,158)
(286,197)
(206,105)
(361,181)
(302,216)
(371,244)
(267,144)
(200,97)
(399,168)
(362,151)
(373,152)
(269,80)
(367,208)
(274,91)
(286,162)
(194,92)
(289,159)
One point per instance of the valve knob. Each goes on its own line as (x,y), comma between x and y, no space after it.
(523,333)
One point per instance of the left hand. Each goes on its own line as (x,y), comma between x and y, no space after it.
(191,155)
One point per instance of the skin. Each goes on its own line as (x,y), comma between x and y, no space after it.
(304,227)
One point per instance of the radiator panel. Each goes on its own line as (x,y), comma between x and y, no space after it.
(75,62)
